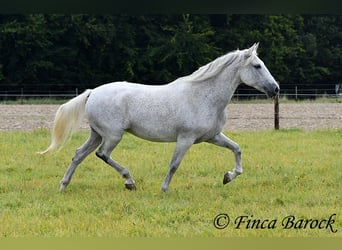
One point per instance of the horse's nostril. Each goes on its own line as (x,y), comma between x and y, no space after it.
(276,90)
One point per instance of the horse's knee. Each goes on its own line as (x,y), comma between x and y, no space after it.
(77,157)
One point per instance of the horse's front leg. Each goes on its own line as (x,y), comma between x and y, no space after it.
(223,141)
(182,146)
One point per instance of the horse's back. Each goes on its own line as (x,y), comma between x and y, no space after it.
(146,111)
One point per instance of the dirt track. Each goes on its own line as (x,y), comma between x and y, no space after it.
(241,117)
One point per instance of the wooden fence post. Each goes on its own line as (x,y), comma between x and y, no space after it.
(276,112)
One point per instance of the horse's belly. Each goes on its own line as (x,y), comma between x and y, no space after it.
(153,133)
(155,119)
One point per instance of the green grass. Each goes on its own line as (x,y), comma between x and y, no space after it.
(286,172)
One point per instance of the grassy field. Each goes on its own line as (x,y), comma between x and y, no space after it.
(286,173)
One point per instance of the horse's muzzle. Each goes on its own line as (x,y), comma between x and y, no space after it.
(273,92)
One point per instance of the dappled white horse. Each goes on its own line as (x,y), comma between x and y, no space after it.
(189,110)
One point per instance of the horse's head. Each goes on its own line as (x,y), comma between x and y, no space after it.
(255,74)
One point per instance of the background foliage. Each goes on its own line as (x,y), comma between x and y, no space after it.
(58,52)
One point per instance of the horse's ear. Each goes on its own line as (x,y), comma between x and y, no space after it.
(256,45)
(249,51)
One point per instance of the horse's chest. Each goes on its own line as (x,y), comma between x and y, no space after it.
(210,127)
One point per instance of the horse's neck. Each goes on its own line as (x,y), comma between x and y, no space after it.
(228,82)
(219,89)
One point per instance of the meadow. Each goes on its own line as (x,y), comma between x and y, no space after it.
(286,173)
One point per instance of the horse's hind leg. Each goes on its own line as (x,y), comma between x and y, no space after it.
(81,153)
(104,153)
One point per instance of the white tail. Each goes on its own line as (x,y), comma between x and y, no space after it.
(67,119)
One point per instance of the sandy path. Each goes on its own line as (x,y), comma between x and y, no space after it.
(241,117)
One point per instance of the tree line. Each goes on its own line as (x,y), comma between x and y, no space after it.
(59,51)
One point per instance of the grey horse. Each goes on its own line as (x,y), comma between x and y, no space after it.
(189,110)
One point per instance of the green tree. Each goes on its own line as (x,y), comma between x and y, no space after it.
(56,51)
(322,37)
(174,46)
(23,47)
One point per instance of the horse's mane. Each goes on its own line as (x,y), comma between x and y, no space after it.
(213,68)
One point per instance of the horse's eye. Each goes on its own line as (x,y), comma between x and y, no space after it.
(257,66)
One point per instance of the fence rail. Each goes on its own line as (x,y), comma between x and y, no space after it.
(27,94)
(295,92)
(241,94)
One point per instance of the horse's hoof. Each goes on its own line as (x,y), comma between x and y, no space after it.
(130,186)
(226,178)
(62,187)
